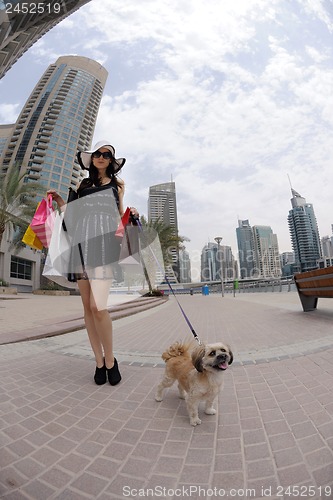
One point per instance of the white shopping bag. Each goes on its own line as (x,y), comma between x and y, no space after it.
(56,267)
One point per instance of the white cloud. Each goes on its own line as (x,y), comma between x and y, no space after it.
(9,112)
(43,54)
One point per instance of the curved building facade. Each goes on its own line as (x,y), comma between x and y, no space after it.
(57,120)
(23,23)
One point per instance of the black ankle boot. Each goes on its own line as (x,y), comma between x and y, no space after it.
(100,375)
(114,374)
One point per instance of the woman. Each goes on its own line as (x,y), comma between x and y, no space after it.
(91,222)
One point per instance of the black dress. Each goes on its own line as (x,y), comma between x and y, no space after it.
(91,219)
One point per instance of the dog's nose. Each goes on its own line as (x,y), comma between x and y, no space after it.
(221,358)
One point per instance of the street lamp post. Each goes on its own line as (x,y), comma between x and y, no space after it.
(218,240)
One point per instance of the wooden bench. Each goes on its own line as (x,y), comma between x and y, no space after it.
(314,284)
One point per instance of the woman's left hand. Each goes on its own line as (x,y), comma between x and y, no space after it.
(134,216)
(134,212)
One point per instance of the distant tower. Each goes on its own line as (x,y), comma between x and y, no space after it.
(185,267)
(304,233)
(267,252)
(23,23)
(57,120)
(162,205)
(246,250)
(211,265)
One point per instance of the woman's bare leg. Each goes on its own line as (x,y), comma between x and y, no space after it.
(103,324)
(85,292)
(94,295)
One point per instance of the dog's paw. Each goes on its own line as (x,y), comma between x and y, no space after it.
(210,411)
(195,421)
(158,398)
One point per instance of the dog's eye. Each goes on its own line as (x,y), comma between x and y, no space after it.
(212,353)
(223,350)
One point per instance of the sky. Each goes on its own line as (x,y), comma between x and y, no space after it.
(227,98)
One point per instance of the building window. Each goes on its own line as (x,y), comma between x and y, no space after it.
(21,268)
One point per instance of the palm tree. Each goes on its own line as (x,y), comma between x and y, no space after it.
(17,203)
(168,240)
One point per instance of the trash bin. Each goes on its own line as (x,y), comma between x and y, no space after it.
(205,290)
(191,291)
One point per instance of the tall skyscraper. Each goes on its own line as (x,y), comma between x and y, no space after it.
(304,233)
(327,246)
(214,260)
(267,252)
(246,250)
(57,120)
(287,260)
(185,267)
(209,265)
(258,251)
(162,205)
(23,23)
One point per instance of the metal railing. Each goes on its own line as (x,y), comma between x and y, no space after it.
(255,286)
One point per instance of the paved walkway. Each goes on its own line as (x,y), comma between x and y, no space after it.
(63,437)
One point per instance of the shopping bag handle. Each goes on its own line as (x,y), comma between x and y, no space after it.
(49,200)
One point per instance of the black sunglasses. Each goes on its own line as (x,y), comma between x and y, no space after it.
(106,155)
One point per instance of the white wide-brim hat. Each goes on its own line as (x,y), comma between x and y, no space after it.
(84,157)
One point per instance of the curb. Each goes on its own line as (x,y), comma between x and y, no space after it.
(74,323)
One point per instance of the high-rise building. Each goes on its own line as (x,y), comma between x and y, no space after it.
(229,264)
(217,261)
(287,261)
(162,205)
(209,264)
(327,251)
(57,120)
(184,267)
(326,244)
(246,250)
(267,252)
(23,23)
(304,233)
(258,251)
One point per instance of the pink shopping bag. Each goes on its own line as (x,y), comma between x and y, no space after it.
(43,221)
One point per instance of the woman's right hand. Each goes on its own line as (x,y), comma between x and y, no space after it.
(56,197)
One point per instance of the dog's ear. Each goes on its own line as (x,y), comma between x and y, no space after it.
(231,356)
(197,357)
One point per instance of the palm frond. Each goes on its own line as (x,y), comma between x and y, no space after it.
(17,201)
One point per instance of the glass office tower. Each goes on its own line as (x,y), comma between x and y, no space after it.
(57,120)
(267,252)
(162,205)
(304,233)
(246,250)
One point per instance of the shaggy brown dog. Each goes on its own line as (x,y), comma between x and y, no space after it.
(199,372)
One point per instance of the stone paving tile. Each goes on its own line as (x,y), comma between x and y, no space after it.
(62,437)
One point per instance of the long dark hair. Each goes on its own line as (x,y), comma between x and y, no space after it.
(94,179)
